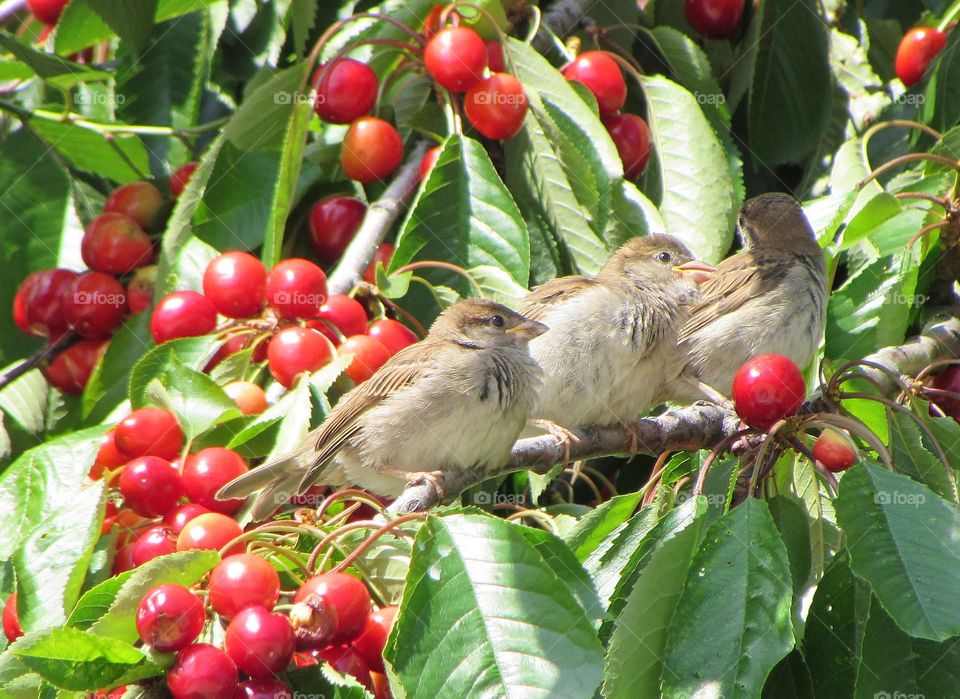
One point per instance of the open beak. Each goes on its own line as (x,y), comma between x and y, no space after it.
(528,329)
(696,270)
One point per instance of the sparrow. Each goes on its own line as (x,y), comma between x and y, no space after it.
(458,399)
(610,350)
(771,298)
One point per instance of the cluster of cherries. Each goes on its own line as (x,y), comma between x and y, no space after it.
(284,315)
(118,251)
(331,620)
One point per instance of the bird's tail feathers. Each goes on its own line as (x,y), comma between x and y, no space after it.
(280,469)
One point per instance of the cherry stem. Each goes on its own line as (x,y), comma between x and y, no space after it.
(39,358)
(348,494)
(923,231)
(279,550)
(859,429)
(482,11)
(600,477)
(942,201)
(369,541)
(719,449)
(655,475)
(798,444)
(535,22)
(903,160)
(435,264)
(521,513)
(949,16)
(400,310)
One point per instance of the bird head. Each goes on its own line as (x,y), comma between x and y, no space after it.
(655,258)
(484,323)
(774,219)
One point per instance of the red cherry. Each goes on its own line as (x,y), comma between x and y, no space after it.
(96,304)
(242,581)
(383,255)
(140,289)
(835,450)
(11,620)
(70,371)
(346,661)
(180,178)
(210,531)
(429,160)
(236,283)
(202,671)
(115,244)
(109,456)
(917,49)
(47,11)
(260,642)
(235,343)
(20,311)
(169,618)
(346,313)
(150,432)
(372,149)
(346,595)
(155,541)
(346,90)
(600,74)
(44,296)
(294,351)
(333,223)
(127,525)
(182,314)
(496,106)
(948,380)
(177,518)
(766,389)
(270,688)
(150,486)
(392,334)
(714,19)
(373,638)
(631,136)
(249,397)
(456,58)
(141,201)
(368,356)
(296,288)
(123,560)
(205,472)
(495,61)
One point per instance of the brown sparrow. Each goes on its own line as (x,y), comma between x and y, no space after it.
(456,400)
(769,299)
(610,350)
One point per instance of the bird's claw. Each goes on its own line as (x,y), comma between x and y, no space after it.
(564,437)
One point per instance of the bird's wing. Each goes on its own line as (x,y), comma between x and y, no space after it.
(738,279)
(403,369)
(541,299)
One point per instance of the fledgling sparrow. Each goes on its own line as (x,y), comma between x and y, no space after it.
(610,350)
(771,298)
(456,400)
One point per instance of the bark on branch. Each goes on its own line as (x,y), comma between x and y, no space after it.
(380,217)
(700,426)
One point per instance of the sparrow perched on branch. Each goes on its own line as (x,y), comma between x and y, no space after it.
(456,400)
(769,299)
(610,350)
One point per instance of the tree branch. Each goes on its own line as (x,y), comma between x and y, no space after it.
(700,426)
(38,359)
(11,7)
(376,224)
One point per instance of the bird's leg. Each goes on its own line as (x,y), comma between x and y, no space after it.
(433,478)
(564,436)
(633,429)
(711,394)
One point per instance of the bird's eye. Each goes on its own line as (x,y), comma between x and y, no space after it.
(496,321)
(664,257)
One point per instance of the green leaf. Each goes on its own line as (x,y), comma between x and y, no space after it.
(596,525)
(495,618)
(89,149)
(52,561)
(153,365)
(464,215)
(132,20)
(181,568)
(561,561)
(192,396)
(790,89)
(635,650)
(941,108)
(738,588)
(562,166)
(902,541)
(698,200)
(24,400)
(303,15)
(96,601)
(71,659)
(107,386)
(913,453)
(56,71)
(633,215)
(43,482)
